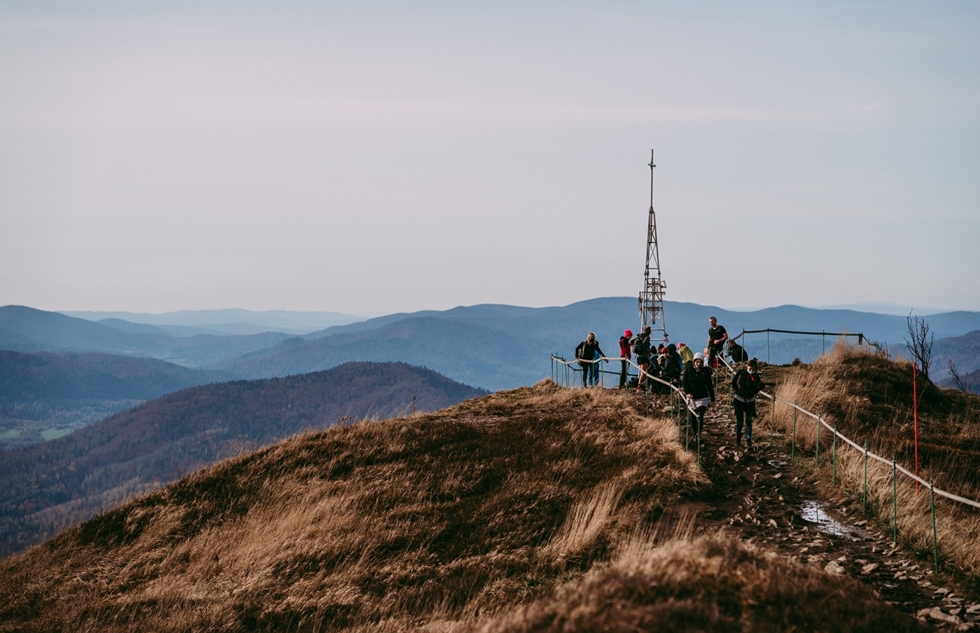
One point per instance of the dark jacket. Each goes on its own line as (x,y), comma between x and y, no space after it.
(671,370)
(746,385)
(698,382)
(586,351)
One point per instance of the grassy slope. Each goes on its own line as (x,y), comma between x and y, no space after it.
(869,397)
(507,513)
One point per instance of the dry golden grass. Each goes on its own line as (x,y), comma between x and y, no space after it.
(712,583)
(534,509)
(869,398)
(441,517)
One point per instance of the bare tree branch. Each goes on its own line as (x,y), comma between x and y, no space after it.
(920,342)
(957,380)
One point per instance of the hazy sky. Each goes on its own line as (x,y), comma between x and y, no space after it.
(385,156)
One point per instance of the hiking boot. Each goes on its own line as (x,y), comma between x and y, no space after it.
(748,442)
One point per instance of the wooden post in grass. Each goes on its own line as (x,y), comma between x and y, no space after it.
(833,476)
(894,503)
(935,542)
(865,500)
(792,455)
(817,459)
(772,417)
(915,422)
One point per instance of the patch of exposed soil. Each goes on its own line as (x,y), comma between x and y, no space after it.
(759,497)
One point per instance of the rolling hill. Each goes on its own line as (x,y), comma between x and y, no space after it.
(59,483)
(541,509)
(47,394)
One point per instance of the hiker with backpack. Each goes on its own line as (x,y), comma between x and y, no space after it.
(641,349)
(745,385)
(699,388)
(587,352)
(625,354)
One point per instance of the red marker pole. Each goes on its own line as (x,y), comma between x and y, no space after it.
(915,420)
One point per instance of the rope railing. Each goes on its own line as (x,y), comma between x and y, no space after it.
(869,454)
(896,468)
(823,334)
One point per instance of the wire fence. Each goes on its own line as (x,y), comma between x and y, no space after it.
(823,334)
(564,373)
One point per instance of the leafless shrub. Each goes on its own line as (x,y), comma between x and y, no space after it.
(920,342)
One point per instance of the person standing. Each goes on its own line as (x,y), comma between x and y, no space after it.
(641,348)
(717,335)
(699,388)
(745,385)
(625,353)
(686,354)
(587,352)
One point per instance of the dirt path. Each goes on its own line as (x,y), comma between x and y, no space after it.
(758,497)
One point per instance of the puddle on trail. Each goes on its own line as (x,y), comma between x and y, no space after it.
(814,512)
(777,463)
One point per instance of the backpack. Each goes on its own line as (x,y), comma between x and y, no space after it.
(580,350)
(744,386)
(642,346)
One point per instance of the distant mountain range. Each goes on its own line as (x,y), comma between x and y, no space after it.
(489,346)
(64,481)
(225,322)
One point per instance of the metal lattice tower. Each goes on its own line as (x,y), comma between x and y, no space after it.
(652,296)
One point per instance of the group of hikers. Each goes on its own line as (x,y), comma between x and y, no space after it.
(692,373)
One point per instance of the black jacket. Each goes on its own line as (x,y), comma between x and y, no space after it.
(746,385)
(698,382)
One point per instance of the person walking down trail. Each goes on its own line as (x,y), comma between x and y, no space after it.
(717,335)
(586,353)
(641,349)
(745,385)
(625,354)
(699,388)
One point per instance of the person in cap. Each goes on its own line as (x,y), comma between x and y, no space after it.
(625,353)
(699,388)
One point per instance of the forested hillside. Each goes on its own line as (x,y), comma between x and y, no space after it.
(52,485)
(47,394)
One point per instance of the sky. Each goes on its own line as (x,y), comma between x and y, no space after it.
(375,157)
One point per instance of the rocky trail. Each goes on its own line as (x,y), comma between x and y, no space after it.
(758,497)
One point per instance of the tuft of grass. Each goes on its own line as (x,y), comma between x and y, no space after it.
(711,583)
